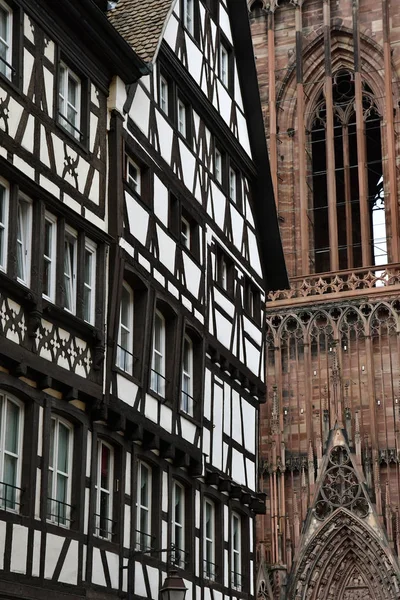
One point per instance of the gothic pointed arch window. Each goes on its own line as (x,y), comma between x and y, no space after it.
(361,238)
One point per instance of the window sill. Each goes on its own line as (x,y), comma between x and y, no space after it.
(127,375)
(191,419)
(81,146)
(62,317)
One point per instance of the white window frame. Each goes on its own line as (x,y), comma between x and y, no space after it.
(68,474)
(232,185)
(236,553)
(25,243)
(187,379)
(4,494)
(89,287)
(179,560)
(101,531)
(164,90)
(6,69)
(135,183)
(71,237)
(218,165)
(181,111)
(158,378)
(65,73)
(4,185)
(209,542)
(188,15)
(51,258)
(186,238)
(224,65)
(143,538)
(224,273)
(126,328)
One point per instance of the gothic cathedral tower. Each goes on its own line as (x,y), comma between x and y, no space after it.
(329,76)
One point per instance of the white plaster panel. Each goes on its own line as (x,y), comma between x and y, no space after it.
(93,130)
(140,587)
(88,453)
(236,418)
(172,28)
(58,153)
(3,525)
(113,567)
(197,553)
(225,102)
(69,571)
(251,474)
(151,408)
(217,429)
(224,329)
(86,511)
(140,109)
(54,544)
(253,249)
(158,277)
(165,136)
(19,549)
(237,227)
(193,275)
(164,534)
(238,467)
(97,569)
(160,201)
(173,290)
(145,81)
(252,357)
(68,201)
(27,140)
(250,425)
(251,531)
(249,213)
(188,430)
(138,219)
(82,172)
(227,409)
(49,185)
(127,526)
(224,302)
(254,332)
(197,509)
(37,536)
(237,90)
(125,575)
(84,557)
(166,418)
(153,579)
(23,166)
(206,443)
(225,455)
(243,133)
(49,50)
(93,95)
(167,248)
(226,571)
(40,431)
(94,192)
(225,24)
(15,112)
(186,303)
(28,29)
(37,494)
(48,90)
(198,316)
(188,164)
(28,66)
(128,473)
(207,395)
(219,201)
(195,59)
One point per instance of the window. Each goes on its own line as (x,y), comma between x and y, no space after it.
(60,470)
(252,302)
(158,358)
(5,40)
(178,524)
(236,556)
(164,94)
(218,165)
(224,65)
(89,281)
(187,376)
(24,242)
(133,176)
(232,185)
(188,15)
(70,252)
(185,233)
(125,335)
(49,257)
(11,429)
(209,540)
(224,271)
(143,510)
(181,117)
(4,195)
(69,101)
(104,491)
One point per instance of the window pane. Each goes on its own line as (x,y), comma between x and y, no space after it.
(51,449)
(12,428)
(10,478)
(144,487)
(3,24)
(72,91)
(105,467)
(63,447)
(125,306)
(158,334)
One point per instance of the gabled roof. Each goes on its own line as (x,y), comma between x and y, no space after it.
(142,23)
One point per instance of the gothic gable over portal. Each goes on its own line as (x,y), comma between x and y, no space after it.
(344,553)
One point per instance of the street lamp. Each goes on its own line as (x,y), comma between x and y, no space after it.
(173,588)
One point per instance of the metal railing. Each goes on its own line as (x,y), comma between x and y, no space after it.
(187,402)
(78,131)
(10,496)
(236,580)
(178,557)
(104,527)
(125,359)
(209,570)
(158,383)
(4,62)
(144,541)
(59,512)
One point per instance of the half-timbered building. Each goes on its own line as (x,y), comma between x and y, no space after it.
(138,235)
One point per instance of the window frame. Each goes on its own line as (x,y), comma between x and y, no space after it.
(129,330)
(189,409)
(164,101)
(177,550)
(109,533)
(181,105)
(218,173)
(8,67)
(4,225)
(72,235)
(4,399)
(139,507)
(189,25)
(136,186)
(52,258)
(233,185)
(224,271)
(154,381)
(69,474)
(236,553)
(26,241)
(208,574)
(91,248)
(64,72)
